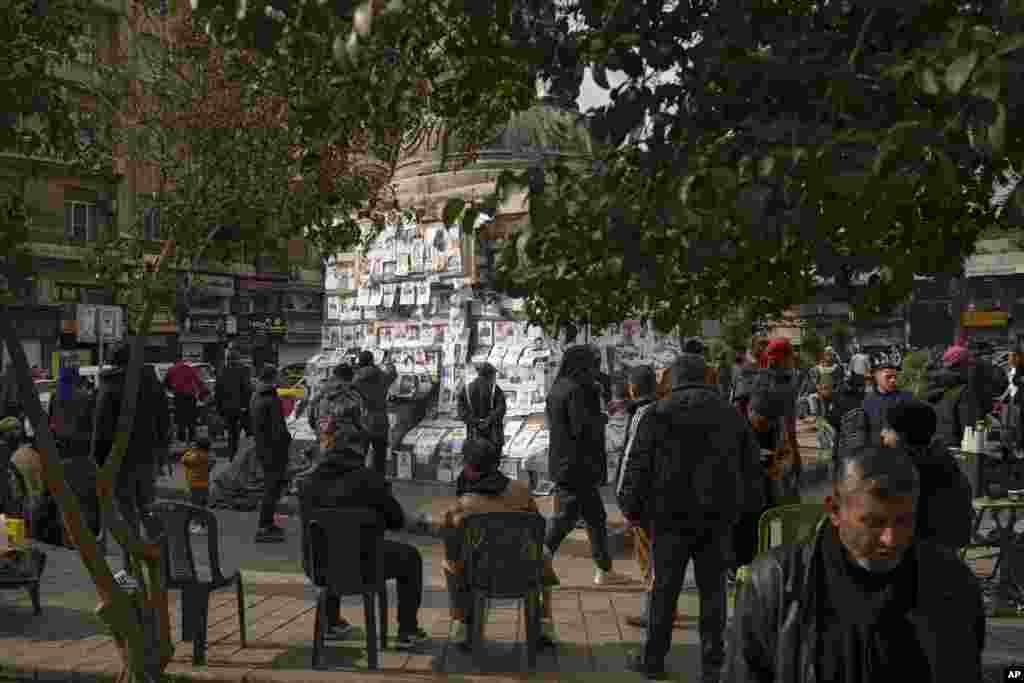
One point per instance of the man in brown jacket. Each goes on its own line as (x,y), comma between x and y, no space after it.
(482,488)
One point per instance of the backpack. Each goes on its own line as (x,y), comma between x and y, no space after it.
(341,418)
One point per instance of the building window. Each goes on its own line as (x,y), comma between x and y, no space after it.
(151,227)
(81,222)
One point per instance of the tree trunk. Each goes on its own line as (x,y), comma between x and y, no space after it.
(140,622)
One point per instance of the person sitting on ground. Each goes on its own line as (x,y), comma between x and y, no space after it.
(483,488)
(340,479)
(863,600)
(944,511)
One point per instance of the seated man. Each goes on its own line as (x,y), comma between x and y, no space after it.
(482,488)
(863,600)
(340,480)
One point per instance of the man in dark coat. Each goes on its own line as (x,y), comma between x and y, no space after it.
(693,471)
(954,400)
(341,480)
(887,394)
(232,395)
(374,383)
(945,513)
(863,600)
(272,443)
(576,460)
(137,478)
(482,407)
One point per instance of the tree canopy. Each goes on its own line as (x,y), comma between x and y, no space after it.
(750,150)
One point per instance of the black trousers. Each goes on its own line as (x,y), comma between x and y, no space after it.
(233,425)
(402,562)
(380,453)
(185,415)
(136,490)
(671,553)
(274,480)
(571,503)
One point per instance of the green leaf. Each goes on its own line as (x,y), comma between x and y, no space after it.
(1010,44)
(997,131)
(849,184)
(960,71)
(928,81)
(452,209)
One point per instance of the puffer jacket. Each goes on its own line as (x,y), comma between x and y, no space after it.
(576,452)
(343,408)
(269,429)
(373,383)
(694,463)
(954,410)
(774,630)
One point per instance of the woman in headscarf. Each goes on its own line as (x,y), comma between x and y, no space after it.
(481,488)
(71,415)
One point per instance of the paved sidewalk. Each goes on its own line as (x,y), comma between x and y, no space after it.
(67,639)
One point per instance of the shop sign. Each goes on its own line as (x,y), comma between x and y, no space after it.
(203,326)
(985,319)
(268,325)
(259,281)
(109,318)
(214,285)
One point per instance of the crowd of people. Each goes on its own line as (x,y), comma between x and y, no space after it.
(867,596)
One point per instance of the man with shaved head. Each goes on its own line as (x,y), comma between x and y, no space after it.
(862,600)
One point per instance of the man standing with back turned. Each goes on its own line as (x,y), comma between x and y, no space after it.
(693,469)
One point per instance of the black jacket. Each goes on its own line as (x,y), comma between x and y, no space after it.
(338,481)
(695,463)
(945,513)
(373,383)
(774,630)
(269,429)
(576,424)
(72,422)
(474,405)
(152,421)
(233,390)
(949,394)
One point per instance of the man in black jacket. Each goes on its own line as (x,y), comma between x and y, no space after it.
(137,479)
(945,513)
(341,480)
(482,407)
(576,459)
(693,471)
(272,443)
(374,383)
(232,395)
(863,600)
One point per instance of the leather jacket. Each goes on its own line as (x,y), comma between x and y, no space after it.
(774,632)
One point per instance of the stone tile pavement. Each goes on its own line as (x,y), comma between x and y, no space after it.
(68,641)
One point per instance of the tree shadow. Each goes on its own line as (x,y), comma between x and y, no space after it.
(54,624)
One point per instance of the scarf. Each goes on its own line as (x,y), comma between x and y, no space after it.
(473,480)
(864,635)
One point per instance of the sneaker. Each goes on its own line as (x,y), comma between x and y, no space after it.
(411,640)
(339,631)
(610,578)
(652,673)
(270,535)
(126,581)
